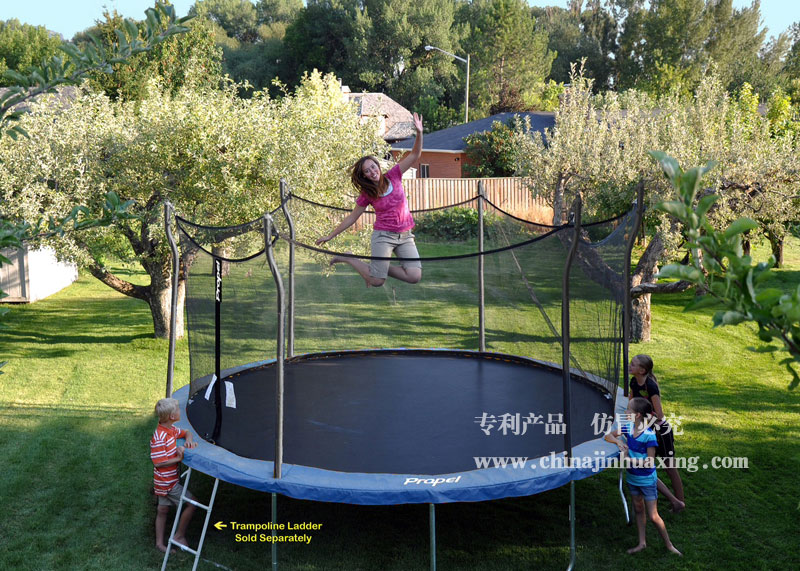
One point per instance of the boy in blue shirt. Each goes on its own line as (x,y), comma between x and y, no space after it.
(640,443)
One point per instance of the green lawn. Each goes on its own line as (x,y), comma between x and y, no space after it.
(75,418)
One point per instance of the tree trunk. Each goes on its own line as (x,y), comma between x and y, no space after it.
(746,244)
(640,319)
(160,301)
(559,210)
(645,272)
(776,243)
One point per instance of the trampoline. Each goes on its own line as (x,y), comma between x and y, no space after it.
(295,388)
(384,427)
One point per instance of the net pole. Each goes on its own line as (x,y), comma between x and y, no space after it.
(567,387)
(279,356)
(285,197)
(481,290)
(173,312)
(627,302)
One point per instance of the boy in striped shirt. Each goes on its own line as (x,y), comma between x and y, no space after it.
(166,456)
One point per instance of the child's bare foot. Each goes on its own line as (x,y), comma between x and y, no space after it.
(673,550)
(181,540)
(339,259)
(163,549)
(678,506)
(637,549)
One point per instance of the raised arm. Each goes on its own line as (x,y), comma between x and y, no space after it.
(348,221)
(408,161)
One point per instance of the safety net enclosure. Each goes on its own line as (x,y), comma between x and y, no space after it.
(408,392)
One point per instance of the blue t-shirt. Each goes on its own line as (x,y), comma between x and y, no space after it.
(637,448)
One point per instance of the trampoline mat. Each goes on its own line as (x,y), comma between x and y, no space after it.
(400,412)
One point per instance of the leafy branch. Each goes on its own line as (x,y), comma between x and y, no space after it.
(160,23)
(718,266)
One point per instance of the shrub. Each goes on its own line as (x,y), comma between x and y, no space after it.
(456,224)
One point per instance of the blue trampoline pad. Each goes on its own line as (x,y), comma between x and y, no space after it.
(400,426)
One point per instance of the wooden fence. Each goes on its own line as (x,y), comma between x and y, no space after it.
(510,194)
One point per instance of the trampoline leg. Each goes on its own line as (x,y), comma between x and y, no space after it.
(571,525)
(432,512)
(624,500)
(274,523)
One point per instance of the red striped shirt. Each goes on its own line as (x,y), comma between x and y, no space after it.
(163,447)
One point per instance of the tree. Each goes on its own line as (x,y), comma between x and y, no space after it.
(22,46)
(278,11)
(668,45)
(388,52)
(601,151)
(574,36)
(510,55)
(728,277)
(191,58)
(80,62)
(494,152)
(237,17)
(319,38)
(215,156)
(792,65)
(15,231)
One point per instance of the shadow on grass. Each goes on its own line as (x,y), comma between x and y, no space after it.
(503,535)
(75,487)
(66,339)
(50,328)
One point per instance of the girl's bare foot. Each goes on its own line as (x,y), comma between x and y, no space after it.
(637,549)
(181,540)
(163,549)
(341,259)
(673,550)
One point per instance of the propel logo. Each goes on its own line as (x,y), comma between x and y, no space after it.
(218,272)
(431,481)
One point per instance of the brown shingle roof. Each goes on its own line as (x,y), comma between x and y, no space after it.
(398,120)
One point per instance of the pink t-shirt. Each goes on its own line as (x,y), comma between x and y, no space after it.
(391,211)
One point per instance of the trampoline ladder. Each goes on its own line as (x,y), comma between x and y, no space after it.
(624,500)
(197,504)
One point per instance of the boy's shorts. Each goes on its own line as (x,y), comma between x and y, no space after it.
(174,496)
(384,243)
(649,492)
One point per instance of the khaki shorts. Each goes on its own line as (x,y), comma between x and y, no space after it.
(384,243)
(173,496)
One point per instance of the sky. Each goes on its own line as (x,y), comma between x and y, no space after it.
(68,17)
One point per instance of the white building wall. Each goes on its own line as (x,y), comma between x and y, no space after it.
(47,275)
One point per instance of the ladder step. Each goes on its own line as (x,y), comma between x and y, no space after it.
(196,503)
(183,547)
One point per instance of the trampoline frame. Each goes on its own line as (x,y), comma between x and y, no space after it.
(285,349)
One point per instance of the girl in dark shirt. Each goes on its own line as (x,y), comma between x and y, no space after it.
(644,384)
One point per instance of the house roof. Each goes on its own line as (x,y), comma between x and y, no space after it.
(399,121)
(63,95)
(452,139)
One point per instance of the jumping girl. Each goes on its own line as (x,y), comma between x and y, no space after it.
(393,220)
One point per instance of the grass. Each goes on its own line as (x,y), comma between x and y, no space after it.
(75,418)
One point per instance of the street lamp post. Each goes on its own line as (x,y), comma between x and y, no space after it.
(466,61)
